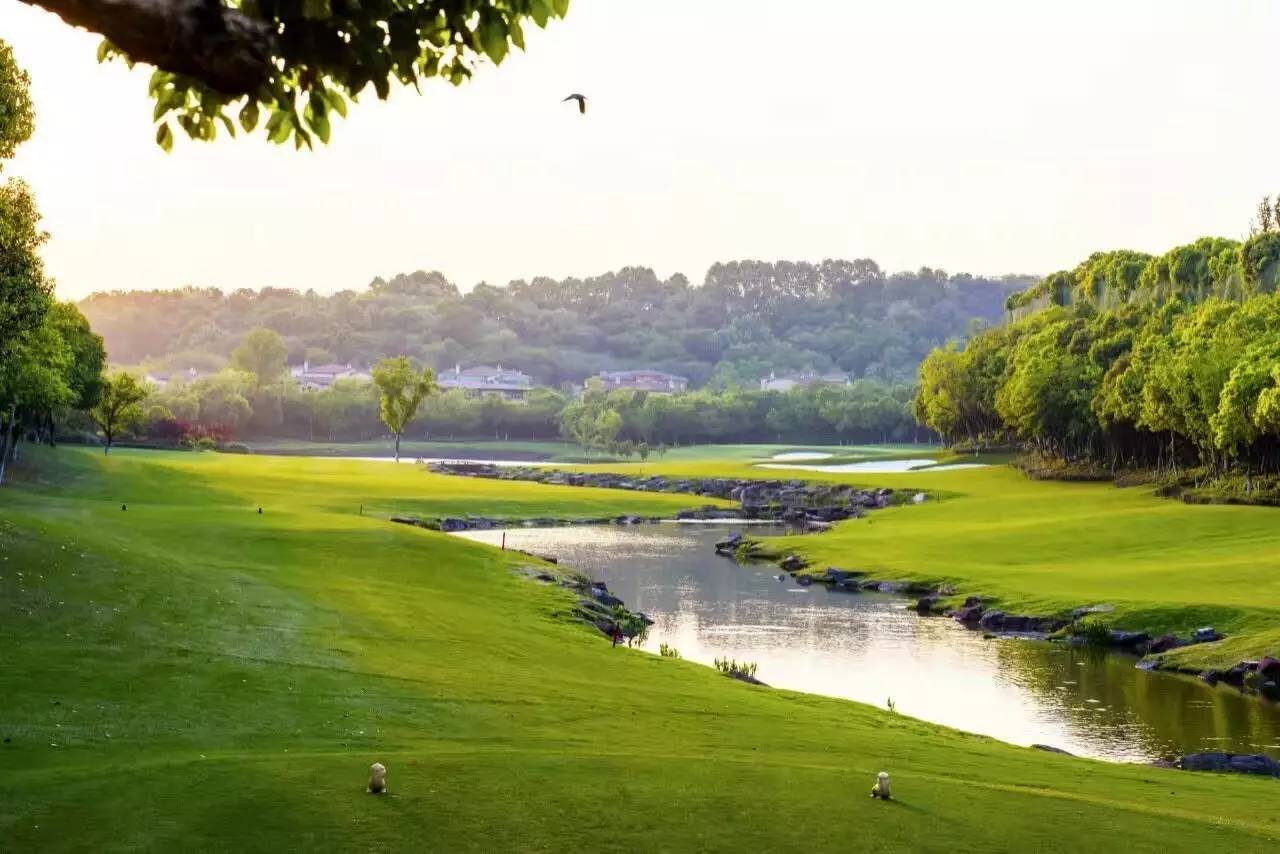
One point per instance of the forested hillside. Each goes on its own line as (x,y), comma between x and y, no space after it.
(1130,360)
(747,318)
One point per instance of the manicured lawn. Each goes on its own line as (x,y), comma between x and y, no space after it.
(189,674)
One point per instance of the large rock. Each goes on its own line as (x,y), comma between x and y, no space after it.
(1269,667)
(1128,640)
(1235,763)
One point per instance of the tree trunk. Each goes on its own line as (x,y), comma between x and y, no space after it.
(397,447)
(222,47)
(8,440)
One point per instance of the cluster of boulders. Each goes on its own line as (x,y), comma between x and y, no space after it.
(1262,676)
(1237,763)
(975,614)
(596,605)
(781,500)
(453,524)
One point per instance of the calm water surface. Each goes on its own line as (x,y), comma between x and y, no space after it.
(870,647)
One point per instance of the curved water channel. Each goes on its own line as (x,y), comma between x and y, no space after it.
(870,647)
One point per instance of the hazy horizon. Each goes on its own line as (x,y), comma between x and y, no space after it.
(991,138)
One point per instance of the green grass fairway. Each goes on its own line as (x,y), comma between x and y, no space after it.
(191,675)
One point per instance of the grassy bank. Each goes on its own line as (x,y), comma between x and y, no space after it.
(190,674)
(1045,547)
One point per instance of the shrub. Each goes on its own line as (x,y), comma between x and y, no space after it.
(669,651)
(732,667)
(1094,632)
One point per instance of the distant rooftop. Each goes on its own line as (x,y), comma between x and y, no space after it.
(485,377)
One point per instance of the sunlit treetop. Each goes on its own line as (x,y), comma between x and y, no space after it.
(289,65)
(15,105)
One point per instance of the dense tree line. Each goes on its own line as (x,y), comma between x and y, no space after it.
(1130,360)
(864,411)
(256,398)
(745,320)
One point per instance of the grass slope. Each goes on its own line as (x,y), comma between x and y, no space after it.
(188,674)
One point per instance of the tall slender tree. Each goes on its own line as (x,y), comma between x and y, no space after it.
(401,390)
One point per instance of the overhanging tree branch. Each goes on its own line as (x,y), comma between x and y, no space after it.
(225,49)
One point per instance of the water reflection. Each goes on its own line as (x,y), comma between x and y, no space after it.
(869,647)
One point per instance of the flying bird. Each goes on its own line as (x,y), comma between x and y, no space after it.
(582,102)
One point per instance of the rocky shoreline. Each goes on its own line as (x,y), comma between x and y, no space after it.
(807,503)
(453,524)
(1261,677)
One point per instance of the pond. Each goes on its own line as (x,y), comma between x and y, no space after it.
(870,647)
(875,466)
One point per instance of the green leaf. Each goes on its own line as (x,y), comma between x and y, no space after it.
(316,104)
(158,79)
(561,7)
(104,50)
(540,10)
(337,102)
(517,33)
(164,137)
(279,127)
(493,38)
(227,123)
(249,116)
(162,107)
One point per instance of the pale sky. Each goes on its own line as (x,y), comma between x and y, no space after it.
(986,136)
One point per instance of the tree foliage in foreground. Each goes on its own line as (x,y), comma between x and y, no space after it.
(1169,362)
(290,66)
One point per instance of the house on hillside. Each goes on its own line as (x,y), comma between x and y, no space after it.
(804,379)
(655,382)
(510,385)
(317,377)
(163,379)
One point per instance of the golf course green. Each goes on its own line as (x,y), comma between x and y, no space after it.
(183,672)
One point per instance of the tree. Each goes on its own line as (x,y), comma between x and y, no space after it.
(32,380)
(118,407)
(25,293)
(401,391)
(261,353)
(16,115)
(298,61)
